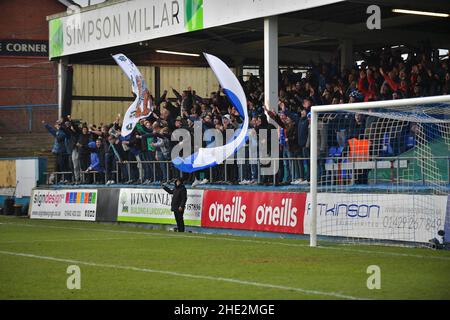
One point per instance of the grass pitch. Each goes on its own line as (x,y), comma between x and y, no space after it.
(123,262)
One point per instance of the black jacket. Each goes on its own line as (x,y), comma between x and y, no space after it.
(303,129)
(179,197)
(84,140)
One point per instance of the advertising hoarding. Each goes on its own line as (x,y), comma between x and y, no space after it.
(76,204)
(140,20)
(153,206)
(401,217)
(256,211)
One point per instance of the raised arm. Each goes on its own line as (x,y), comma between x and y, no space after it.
(50,129)
(167,189)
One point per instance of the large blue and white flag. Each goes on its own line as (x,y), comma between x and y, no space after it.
(208,157)
(142,106)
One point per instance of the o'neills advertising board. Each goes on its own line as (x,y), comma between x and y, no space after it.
(402,217)
(153,206)
(257,211)
(76,204)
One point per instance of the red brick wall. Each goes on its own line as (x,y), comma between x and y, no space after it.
(27,80)
(18,120)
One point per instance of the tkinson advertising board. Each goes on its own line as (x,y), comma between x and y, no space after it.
(415,218)
(153,206)
(76,204)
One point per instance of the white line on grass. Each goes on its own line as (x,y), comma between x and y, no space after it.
(72,240)
(186,275)
(340,248)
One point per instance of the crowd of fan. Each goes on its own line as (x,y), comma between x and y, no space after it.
(144,156)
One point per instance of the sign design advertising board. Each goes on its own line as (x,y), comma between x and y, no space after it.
(415,218)
(256,211)
(153,206)
(76,204)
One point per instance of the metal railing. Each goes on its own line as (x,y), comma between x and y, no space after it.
(335,170)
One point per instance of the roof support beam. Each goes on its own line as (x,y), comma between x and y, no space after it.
(271,62)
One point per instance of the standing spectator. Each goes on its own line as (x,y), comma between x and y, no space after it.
(293,148)
(284,150)
(83,148)
(264,132)
(148,150)
(75,156)
(357,127)
(301,123)
(59,148)
(114,160)
(178,205)
(162,146)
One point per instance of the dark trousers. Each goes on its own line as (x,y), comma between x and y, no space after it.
(62,164)
(179,219)
(148,167)
(123,172)
(109,166)
(305,164)
(85,158)
(134,173)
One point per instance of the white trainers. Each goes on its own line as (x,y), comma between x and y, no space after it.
(204,181)
(195,183)
(244,182)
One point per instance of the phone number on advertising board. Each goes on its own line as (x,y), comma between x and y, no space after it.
(409,222)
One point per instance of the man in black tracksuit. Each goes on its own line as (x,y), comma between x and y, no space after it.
(178,205)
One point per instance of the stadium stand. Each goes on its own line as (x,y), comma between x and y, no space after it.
(144,156)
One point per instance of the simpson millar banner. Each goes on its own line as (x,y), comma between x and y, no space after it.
(116,23)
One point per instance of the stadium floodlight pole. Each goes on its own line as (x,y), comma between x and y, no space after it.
(341,107)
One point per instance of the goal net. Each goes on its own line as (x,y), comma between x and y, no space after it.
(380,171)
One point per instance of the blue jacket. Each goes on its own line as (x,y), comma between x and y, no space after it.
(59,145)
(96,164)
(282,139)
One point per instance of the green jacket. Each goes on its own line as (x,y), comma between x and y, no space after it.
(149,140)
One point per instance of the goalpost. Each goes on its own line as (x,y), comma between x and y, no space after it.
(379,171)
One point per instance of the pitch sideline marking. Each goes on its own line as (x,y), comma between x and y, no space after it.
(71,240)
(186,275)
(237,240)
